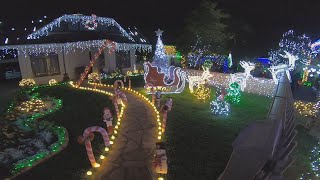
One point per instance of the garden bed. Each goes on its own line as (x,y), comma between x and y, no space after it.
(81,109)
(27,139)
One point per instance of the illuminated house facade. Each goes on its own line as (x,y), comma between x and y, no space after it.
(66,45)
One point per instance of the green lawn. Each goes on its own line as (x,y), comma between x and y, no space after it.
(81,109)
(200,143)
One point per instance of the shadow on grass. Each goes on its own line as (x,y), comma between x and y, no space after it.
(81,109)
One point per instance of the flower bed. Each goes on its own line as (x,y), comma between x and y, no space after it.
(27,139)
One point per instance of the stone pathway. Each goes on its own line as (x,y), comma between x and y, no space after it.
(132,153)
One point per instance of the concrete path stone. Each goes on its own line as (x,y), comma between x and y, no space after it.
(132,153)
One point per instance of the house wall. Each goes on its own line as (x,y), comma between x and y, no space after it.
(26,70)
(73,60)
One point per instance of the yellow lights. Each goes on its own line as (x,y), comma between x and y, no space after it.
(102,157)
(203,93)
(33,105)
(106,149)
(96,165)
(159,128)
(160,178)
(305,109)
(170,50)
(52,82)
(112,137)
(115,132)
(160,133)
(159,137)
(119,122)
(111,142)
(117,127)
(27,83)
(89,173)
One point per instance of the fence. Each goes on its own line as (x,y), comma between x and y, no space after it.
(262,151)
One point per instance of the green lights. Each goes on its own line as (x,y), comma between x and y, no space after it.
(233,93)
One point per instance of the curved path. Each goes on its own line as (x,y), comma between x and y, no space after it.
(131,155)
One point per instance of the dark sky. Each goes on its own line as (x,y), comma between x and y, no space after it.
(268,18)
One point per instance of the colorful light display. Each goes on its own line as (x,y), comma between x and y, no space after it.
(233,93)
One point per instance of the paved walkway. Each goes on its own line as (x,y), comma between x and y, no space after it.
(132,153)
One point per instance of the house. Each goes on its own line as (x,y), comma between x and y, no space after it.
(62,48)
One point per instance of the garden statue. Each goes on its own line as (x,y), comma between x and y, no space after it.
(161,164)
(107,118)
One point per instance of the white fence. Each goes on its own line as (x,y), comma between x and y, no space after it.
(260,86)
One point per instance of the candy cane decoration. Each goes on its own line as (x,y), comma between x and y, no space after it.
(116,84)
(165,109)
(153,92)
(119,95)
(87,137)
(116,107)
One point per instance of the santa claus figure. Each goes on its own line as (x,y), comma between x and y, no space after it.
(107,118)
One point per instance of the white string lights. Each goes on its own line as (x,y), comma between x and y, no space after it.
(260,86)
(76,18)
(72,47)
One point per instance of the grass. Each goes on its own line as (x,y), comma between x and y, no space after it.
(81,109)
(199,143)
(302,154)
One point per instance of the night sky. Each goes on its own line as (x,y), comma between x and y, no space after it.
(266,18)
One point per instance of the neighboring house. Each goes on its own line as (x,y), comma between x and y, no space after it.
(66,45)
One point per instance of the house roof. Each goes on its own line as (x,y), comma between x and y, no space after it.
(79,31)
(77,27)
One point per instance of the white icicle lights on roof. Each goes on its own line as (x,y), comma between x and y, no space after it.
(76,19)
(72,47)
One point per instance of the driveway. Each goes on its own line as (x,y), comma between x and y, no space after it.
(7,90)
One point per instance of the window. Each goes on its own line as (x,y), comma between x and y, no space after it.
(45,65)
(123,59)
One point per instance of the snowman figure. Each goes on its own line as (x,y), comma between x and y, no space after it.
(107,118)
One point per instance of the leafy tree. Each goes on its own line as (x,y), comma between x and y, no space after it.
(205,31)
(298,46)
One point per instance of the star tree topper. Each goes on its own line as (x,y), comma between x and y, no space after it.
(159,32)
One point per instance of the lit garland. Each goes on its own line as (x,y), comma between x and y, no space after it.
(72,47)
(233,93)
(52,82)
(202,93)
(90,172)
(74,19)
(91,24)
(305,109)
(27,83)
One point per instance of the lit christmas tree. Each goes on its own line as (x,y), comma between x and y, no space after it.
(233,93)
(160,58)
